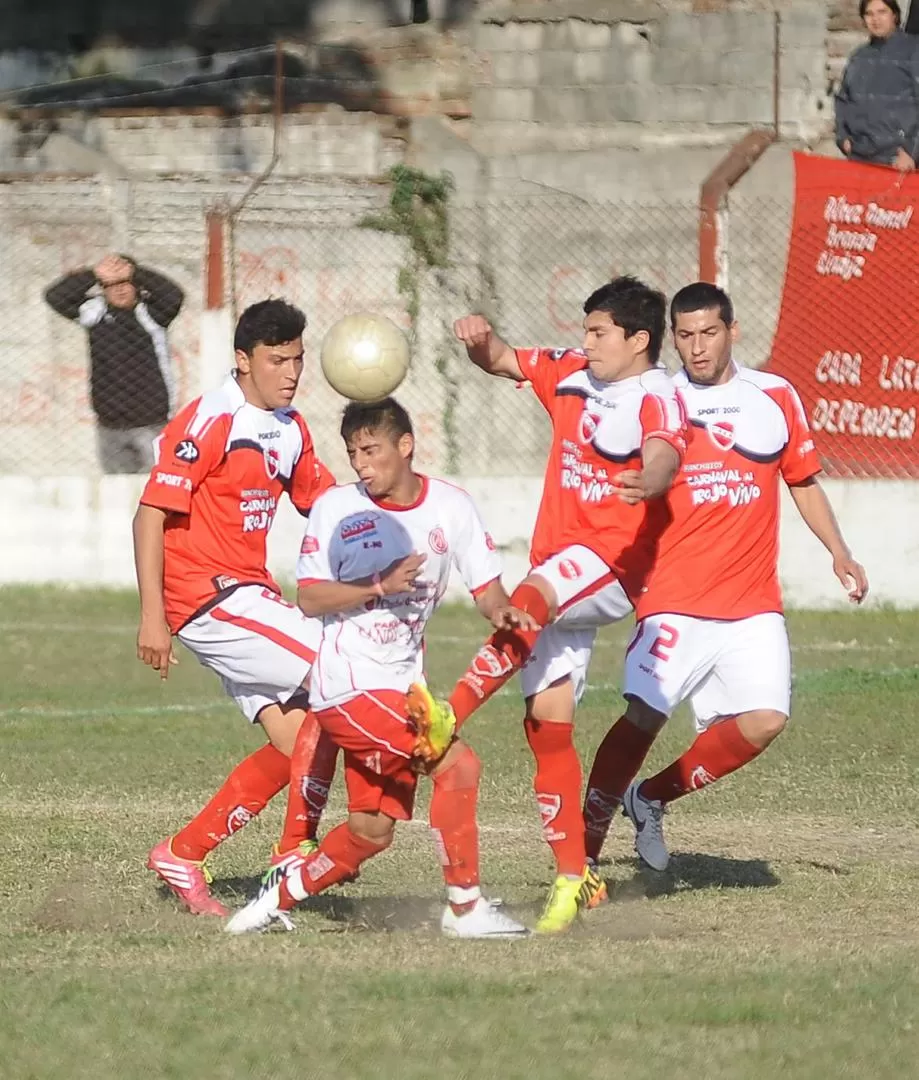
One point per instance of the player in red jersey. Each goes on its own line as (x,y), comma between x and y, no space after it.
(199,546)
(710,623)
(618,438)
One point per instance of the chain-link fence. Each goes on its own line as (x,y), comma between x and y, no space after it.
(528,263)
(77,372)
(72,372)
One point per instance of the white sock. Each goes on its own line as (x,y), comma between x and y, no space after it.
(458,895)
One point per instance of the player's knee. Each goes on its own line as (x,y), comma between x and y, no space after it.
(555,702)
(461,768)
(640,714)
(765,725)
(536,596)
(377,829)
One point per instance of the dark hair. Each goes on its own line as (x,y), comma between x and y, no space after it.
(702,296)
(386,415)
(634,306)
(269,322)
(892,4)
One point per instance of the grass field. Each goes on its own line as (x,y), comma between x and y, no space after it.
(783,942)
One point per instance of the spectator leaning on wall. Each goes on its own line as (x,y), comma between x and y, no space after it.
(877,107)
(125,309)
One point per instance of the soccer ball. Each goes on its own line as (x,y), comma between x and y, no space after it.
(364,356)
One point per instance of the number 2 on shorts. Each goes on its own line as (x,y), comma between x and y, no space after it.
(664,642)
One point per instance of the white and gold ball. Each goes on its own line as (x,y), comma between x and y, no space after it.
(364,356)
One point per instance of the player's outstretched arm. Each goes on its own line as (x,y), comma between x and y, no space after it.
(316,598)
(814,506)
(659,465)
(154,638)
(485,349)
(494,603)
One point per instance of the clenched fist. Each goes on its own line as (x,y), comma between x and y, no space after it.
(474,331)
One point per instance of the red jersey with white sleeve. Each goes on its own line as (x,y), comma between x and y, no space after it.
(221,467)
(718,558)
(350,537)
(598,430)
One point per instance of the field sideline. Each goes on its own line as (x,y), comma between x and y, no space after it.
(782,942)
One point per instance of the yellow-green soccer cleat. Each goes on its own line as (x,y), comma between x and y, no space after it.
(297,854)
(434,722)
(567,898)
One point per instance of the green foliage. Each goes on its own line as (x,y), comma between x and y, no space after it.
(418,210)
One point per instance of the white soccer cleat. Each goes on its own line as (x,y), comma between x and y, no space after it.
(262,912)
(647,815)
(484,920)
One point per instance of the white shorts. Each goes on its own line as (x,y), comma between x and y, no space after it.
(589,596)
(261,647)
(724,667)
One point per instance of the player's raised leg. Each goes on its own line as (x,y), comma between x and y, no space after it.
(533,604)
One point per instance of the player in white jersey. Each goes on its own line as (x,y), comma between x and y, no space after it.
(374,565)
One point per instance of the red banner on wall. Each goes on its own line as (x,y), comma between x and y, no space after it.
(848,333)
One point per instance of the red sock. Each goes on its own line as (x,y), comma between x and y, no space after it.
(245,793)
(718,751)
(615,766)
(452,817)
(339,856)
(558,792)
(312,769)
(502,655)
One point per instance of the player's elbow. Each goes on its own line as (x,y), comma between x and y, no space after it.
(308,602)
(148,519)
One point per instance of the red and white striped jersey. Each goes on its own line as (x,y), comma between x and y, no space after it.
(718,558)
(222,465)
(598,430)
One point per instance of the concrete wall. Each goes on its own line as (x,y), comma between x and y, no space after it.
(674,73)
(77,532)
(527,258)
(559,76)
(330,142)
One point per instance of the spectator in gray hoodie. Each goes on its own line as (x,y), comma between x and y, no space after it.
(877,107)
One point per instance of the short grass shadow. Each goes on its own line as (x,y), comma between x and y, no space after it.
(695,873)
(345,914)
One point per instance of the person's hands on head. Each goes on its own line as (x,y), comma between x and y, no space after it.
(113,270)
(903,162)
(115,273)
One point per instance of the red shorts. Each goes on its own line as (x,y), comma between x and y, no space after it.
(378,739)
